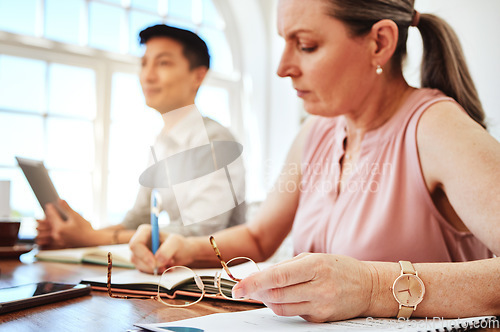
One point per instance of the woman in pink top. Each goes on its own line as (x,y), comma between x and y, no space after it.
(382,172)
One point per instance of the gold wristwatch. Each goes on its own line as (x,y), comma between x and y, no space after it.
(408,289)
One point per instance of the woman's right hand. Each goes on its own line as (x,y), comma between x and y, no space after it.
(174,250)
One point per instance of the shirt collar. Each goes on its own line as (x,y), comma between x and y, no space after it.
(181,131)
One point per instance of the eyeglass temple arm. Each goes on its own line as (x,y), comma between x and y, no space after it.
(110,266)
(222,262)
(110,293)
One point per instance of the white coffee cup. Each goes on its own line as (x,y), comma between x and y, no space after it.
(5,199)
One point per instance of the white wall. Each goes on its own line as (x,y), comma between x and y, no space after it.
(284,105)
(250,37)
(269,103)
(477,24)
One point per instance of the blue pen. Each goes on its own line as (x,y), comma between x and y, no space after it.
(155,232)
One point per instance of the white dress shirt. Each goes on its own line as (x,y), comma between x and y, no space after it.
(203,205)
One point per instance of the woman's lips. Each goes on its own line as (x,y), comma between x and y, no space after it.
(301,93)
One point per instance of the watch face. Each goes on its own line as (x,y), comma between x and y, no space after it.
(408,290)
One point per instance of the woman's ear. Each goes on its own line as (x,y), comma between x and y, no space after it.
(384,35)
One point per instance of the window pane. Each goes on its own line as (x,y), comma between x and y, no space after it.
(122,192)
(151,5)
(22,84)
(128,158)
(214,103)
(220,52)
(181,24)
(133,129)
(118,2)
(24,134)
(18,16)
(180,9)
(63,20)
(106,27)
(70,144)
(22,198)
(130,115)
(211,15)
(76,189)
(127,101)
(138,22)
(72,91)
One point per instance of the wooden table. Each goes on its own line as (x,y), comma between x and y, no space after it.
(95,312)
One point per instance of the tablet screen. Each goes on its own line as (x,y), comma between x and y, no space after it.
(39,180)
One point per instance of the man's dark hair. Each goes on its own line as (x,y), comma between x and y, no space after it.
(194,48)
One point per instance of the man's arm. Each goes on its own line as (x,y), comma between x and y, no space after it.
(76,231)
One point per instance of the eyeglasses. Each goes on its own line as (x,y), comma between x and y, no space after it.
(158,296)
(221,286)
(236,269)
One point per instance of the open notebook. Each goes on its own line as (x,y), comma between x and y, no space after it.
(94,255)
(175,283)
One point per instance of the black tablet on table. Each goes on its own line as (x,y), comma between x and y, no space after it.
(31,295)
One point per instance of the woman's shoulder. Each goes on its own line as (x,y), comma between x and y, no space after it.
(416,109)
(447,137)
(445,117)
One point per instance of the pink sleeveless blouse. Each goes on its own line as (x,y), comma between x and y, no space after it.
(385,212)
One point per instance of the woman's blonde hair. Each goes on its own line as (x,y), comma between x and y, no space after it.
(443,62)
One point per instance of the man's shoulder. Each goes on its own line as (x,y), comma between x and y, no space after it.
(216,131)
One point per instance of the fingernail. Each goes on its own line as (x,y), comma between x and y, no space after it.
(238,293)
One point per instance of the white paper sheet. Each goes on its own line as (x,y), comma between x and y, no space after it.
(265,320)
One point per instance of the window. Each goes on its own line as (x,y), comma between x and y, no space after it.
(70,95)
(47,113)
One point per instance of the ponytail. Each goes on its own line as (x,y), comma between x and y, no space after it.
(444,67)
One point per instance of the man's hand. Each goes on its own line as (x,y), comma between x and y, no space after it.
(174,250)
(54,232)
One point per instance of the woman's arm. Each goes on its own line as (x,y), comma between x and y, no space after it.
(324,287)
(257,239)
(456,155)
(463,160)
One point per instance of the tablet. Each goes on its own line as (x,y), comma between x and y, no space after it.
(31,295)
(39,180)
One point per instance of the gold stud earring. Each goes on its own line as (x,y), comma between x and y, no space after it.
(379,70)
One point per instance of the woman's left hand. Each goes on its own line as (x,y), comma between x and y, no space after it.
(316,287)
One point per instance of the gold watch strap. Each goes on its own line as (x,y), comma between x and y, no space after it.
(405,312)
(407,267)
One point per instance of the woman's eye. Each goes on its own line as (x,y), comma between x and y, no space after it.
(307,49)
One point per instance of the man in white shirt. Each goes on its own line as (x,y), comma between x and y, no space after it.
(173,67)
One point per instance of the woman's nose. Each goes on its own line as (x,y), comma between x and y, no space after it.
(288,65)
